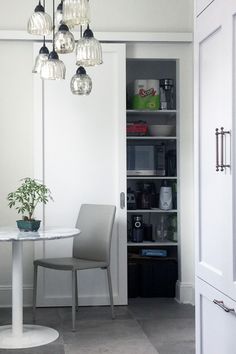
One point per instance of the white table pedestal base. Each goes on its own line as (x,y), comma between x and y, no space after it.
(32,336)
(19,335)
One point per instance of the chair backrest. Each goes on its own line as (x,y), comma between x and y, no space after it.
(95,223)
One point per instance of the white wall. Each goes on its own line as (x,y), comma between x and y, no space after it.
(16,153)
(113,15)
(16,111)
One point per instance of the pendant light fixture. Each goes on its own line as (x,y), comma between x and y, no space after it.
(53,68)
(64,40)
(69,13)
(81,83)
(76,12)
(41,58)
(88,50)
(40,22)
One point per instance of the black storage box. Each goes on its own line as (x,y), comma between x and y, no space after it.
(133,279)
(151,277)
(158,278)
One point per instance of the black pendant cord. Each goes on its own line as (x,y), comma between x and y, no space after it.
(43,36)
(53,26)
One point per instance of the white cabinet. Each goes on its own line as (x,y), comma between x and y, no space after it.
(214,110)
(215,45)
(216,321)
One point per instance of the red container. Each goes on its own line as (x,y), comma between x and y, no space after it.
(137,129)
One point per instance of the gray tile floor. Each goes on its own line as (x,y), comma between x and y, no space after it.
(146,326)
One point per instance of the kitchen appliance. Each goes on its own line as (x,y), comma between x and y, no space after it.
(148,196)
(167,94)
(131,200)
(141,160)
(160,160)
(165,201)
(171,163)
(137,228)
(146,160)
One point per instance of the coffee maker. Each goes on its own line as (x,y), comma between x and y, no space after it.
(145,195)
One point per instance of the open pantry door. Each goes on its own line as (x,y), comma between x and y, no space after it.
(80,155)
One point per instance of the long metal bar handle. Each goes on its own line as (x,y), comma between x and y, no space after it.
(222,306)
(222,149)
(223,133)
(217,149)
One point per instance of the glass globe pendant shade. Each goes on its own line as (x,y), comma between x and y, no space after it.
(76,12)
(88,50)
(53,68)
(40,23)
(81,83)
(64,40)
(59,15)
(40,60)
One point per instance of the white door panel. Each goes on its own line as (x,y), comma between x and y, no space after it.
(215,187)
(83,141)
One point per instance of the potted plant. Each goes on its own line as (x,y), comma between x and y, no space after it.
(25,199)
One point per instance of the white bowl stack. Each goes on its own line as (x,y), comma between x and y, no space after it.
(161,130)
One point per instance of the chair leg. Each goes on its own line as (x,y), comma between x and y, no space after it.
(110,292)
(35,290)
(76,293)
(73,299)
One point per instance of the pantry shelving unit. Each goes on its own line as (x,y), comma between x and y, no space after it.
(150,69)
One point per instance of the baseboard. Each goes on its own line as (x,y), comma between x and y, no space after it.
(185,293)
(6,295)
(86,300)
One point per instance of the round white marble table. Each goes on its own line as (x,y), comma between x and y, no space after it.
(18,335)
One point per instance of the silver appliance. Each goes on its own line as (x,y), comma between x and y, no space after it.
(146,160)
(165,202)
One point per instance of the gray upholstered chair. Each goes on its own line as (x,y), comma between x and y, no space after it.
(91,249)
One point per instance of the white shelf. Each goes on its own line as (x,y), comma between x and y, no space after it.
(151,177)
(146,111)
(151,137)
(152,211)
(149,244)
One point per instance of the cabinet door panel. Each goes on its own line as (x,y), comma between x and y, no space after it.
(213,110)
(83,147)
(215,327)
